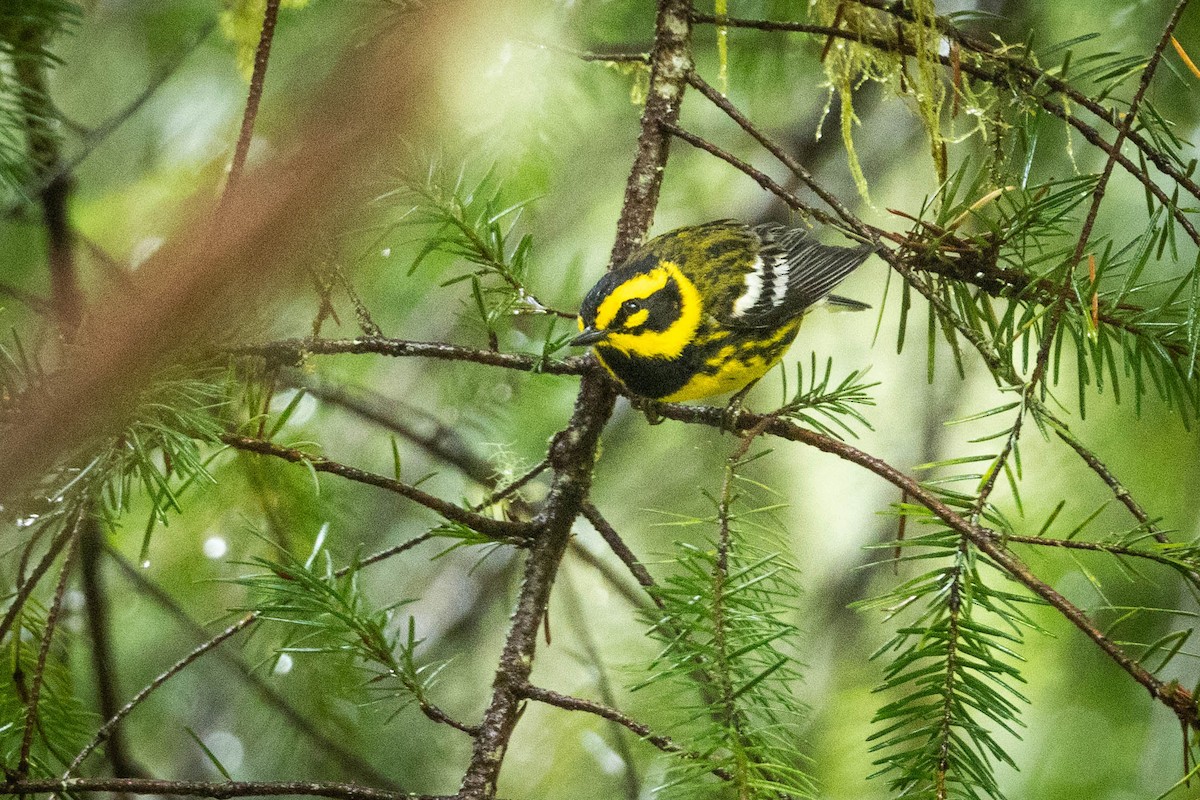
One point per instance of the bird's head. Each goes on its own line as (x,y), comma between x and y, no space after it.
(645,308)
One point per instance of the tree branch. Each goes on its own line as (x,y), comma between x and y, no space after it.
(111,724)
(221,791)
(351,763)
(670,64)
(39,672)
(257,78)
(1175,697)
(292,352)
(503,530)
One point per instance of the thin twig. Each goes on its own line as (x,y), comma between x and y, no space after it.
(587,55)
(503,530)
(165,676)
(91,573)
(395,415)
(67,534)
(991,543)
(1056,312)
(220,791)
(294,351)
(39,673)
(761,178)
(514,487)
(559,700)
(620,549)
(785,158)
(262,55)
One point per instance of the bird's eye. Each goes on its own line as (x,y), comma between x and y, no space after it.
(631,306)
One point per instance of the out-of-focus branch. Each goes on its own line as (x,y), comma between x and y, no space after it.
(350,762)
(112,722)
(228,262)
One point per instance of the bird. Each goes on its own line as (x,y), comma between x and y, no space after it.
(708,309)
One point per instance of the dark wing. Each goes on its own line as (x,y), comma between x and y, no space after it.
(792,272)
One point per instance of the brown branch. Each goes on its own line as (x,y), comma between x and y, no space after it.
(39,672)
(620,549)
(261,55)
(292,352)
(1056,312)
(670,63)
(568,703)
(573,451)
(111,724)
(613,576)
(991,543)
(785,158)
(221,791)
(499,529)
(1003,279)
(572,457)
(1094,463)
(1058,308)
(761,178)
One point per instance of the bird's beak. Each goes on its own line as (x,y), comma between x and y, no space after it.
(589,336)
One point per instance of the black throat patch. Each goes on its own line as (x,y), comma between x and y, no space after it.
(650,377)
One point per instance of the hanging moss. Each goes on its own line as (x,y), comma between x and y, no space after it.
(877,56)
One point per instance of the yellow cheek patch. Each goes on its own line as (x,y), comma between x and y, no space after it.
(668,343)
(638,318)
(639,287)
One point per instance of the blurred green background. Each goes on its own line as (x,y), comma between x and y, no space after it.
(560,132)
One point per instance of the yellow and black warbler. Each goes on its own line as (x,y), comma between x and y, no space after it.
(708,309)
